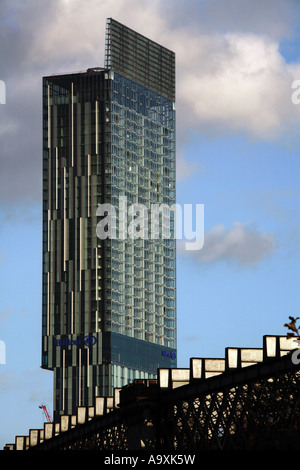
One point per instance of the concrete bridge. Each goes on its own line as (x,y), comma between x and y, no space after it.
(249,399)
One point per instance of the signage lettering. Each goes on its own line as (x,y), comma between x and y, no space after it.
(171,354)
(88,340)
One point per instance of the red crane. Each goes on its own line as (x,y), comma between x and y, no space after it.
(44,408)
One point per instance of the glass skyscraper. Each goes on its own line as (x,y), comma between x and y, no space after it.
(109,299)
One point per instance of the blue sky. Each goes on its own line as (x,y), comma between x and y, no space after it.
(237,153)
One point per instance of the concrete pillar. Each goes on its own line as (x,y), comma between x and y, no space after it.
(81,415)
(196,365)
(109,404)
(33,437)
(231,358)
(99,406)
(20,443)
(48,430)
(270,346)
(64,423)
(163,378)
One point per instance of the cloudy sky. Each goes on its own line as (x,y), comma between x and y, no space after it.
(237,154)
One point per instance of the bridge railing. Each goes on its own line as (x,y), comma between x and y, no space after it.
(203,406)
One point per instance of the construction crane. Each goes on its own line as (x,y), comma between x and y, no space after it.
(44,408)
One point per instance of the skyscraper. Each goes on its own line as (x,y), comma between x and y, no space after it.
(109,299)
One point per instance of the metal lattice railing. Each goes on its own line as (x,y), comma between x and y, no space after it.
(104,438)
(260,413)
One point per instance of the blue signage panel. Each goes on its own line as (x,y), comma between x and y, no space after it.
(169,354)
(88,340)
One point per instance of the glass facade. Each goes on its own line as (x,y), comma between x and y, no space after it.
(109,303)
(143,171)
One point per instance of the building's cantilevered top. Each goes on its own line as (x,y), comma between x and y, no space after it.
(138,58)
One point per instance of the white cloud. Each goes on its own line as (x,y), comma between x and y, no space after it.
(226,81)
(236,82)
(71,33)
(241,243)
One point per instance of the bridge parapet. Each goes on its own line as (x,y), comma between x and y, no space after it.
(134,395)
